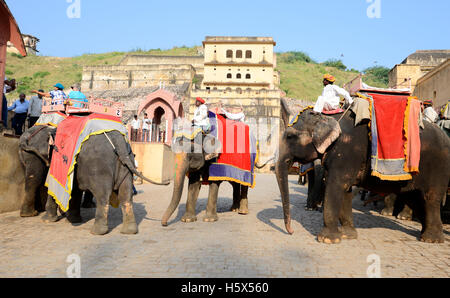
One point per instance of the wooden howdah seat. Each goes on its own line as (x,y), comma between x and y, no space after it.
(94,105)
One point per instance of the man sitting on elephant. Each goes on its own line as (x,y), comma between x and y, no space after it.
(330,99)
(201,115)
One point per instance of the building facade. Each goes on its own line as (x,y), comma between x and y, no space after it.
(435,85)
(30,43)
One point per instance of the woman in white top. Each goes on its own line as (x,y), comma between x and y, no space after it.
(331,96)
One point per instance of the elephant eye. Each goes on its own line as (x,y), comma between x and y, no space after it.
(291,136)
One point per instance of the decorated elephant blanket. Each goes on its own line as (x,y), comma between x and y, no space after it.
(71,134)
(395,136)
(51,119)
(238,153)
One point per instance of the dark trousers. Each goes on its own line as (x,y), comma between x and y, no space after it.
(32,121)
(134,135)
(18,122)
(5,111)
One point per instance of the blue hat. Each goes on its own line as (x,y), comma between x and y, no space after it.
(59,86)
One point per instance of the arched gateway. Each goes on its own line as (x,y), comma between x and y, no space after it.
(162,108)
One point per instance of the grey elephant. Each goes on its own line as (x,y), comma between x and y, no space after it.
(103,170)
(196,165)
(345,150)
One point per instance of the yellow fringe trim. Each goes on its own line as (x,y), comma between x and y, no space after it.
(404,177)
(406,131)
(298,115)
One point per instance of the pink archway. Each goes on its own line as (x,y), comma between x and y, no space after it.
(162,100)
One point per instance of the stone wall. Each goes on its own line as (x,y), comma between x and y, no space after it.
(435,85)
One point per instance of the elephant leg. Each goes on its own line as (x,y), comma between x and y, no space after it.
(33,181)
(335,193)
(129,225)
(346,217)
(193,191)
(243,206)
(51,211)
(101,215)
(88,202)
(406,213)
(236,196)
(389,203)
(309,200)
(315,195)
(211,208)
(74,212)
(431,218)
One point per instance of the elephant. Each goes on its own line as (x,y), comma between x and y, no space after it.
(346,153)
(103,170)
(196,164)
(35,156)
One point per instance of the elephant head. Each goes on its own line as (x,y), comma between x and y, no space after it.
(37,140)
(305,141)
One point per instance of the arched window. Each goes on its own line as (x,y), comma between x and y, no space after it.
(229,76)
(238,76)
(248,76)
(229,54)
(248,54)
(238,54)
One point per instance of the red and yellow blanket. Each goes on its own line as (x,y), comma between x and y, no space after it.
(238,154)
(395,136)
(70,136)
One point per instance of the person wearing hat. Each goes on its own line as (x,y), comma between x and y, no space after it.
(331,96)
(201,114)
(78,96)
(57,94)
(429,113)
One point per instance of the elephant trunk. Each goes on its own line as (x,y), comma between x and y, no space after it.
(281,171)
(181,168)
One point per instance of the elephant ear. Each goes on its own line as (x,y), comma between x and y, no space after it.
(326,131)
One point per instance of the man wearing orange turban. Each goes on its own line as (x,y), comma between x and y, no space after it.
(331,95)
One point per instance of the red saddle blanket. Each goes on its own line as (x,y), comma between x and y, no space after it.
(238,154)
(395,136)
(70,136)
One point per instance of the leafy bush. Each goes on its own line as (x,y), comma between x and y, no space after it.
(335,63)
(292,57)
(40,74)
(378,73)
(8,72)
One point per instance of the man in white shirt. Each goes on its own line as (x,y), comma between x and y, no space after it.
(135,126)
(146,128)
(331,96)
(429,113)
(201,115)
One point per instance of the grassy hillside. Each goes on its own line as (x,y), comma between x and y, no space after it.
(301,77)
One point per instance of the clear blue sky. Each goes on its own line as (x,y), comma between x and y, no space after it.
(323,29)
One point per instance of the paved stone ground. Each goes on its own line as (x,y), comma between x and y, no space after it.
(236,246)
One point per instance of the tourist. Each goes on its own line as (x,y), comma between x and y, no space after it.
(201,115)
(34,109)
(429,112)
(146,128)
(20,106)
(330,99)
(135,126)
(78,96)
(57,94)
(236,114)
(9,85)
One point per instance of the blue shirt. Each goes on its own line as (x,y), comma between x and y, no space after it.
(77,95)
(20,107)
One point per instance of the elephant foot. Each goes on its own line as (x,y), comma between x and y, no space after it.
(387,212)
(211,218)
(329,237)
(47,218)
(129,228)
(74,219)
(32,213)
(405,215)
(349,232)
(432,237)
(243,208)
(189,218)
(99,229)
(235,208)
(88,205)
